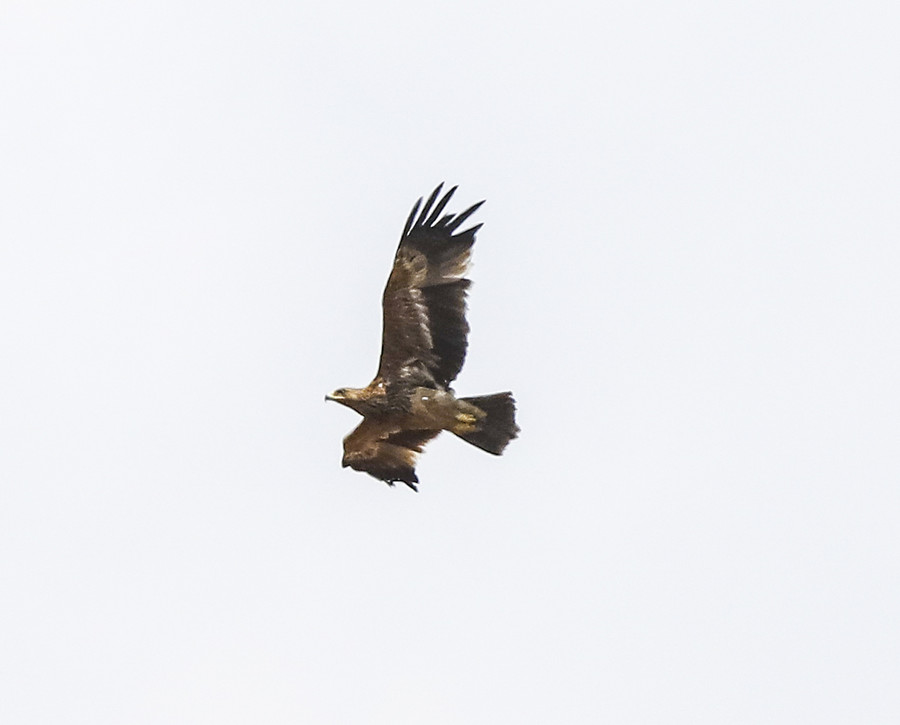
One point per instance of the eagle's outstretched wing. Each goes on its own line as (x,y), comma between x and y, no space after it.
(389,455)
(424,303)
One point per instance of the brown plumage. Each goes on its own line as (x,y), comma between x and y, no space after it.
(423,347)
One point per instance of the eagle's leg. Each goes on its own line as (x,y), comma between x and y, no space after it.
(464,423)
(440,410)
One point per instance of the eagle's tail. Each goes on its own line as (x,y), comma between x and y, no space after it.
(497,427)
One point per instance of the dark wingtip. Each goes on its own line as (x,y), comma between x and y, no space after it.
(412,215)
(427,208)
(398,475)
(458,221)
(428,214)
(440,205)
(411,481)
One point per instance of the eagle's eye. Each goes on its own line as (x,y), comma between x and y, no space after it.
(340,393)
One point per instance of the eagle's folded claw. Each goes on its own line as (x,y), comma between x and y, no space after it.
(465,423)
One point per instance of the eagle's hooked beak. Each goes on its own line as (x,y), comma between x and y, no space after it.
(337,396)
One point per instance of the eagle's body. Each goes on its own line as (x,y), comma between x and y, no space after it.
(422,351)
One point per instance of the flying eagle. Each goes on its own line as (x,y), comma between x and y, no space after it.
(423,347)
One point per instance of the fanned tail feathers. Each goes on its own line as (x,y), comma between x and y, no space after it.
(498,427)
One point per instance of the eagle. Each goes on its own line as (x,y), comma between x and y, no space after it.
(423,347)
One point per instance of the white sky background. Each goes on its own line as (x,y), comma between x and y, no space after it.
(687,275)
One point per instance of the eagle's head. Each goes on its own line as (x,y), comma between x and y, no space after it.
(351,397)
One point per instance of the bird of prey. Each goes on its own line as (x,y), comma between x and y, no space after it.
(423,347)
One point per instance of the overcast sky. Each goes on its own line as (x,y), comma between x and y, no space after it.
(687,274)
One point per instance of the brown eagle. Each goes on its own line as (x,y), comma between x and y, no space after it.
(423,347)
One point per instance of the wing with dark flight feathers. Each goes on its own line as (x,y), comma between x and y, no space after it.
(388,456)
(424,302)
